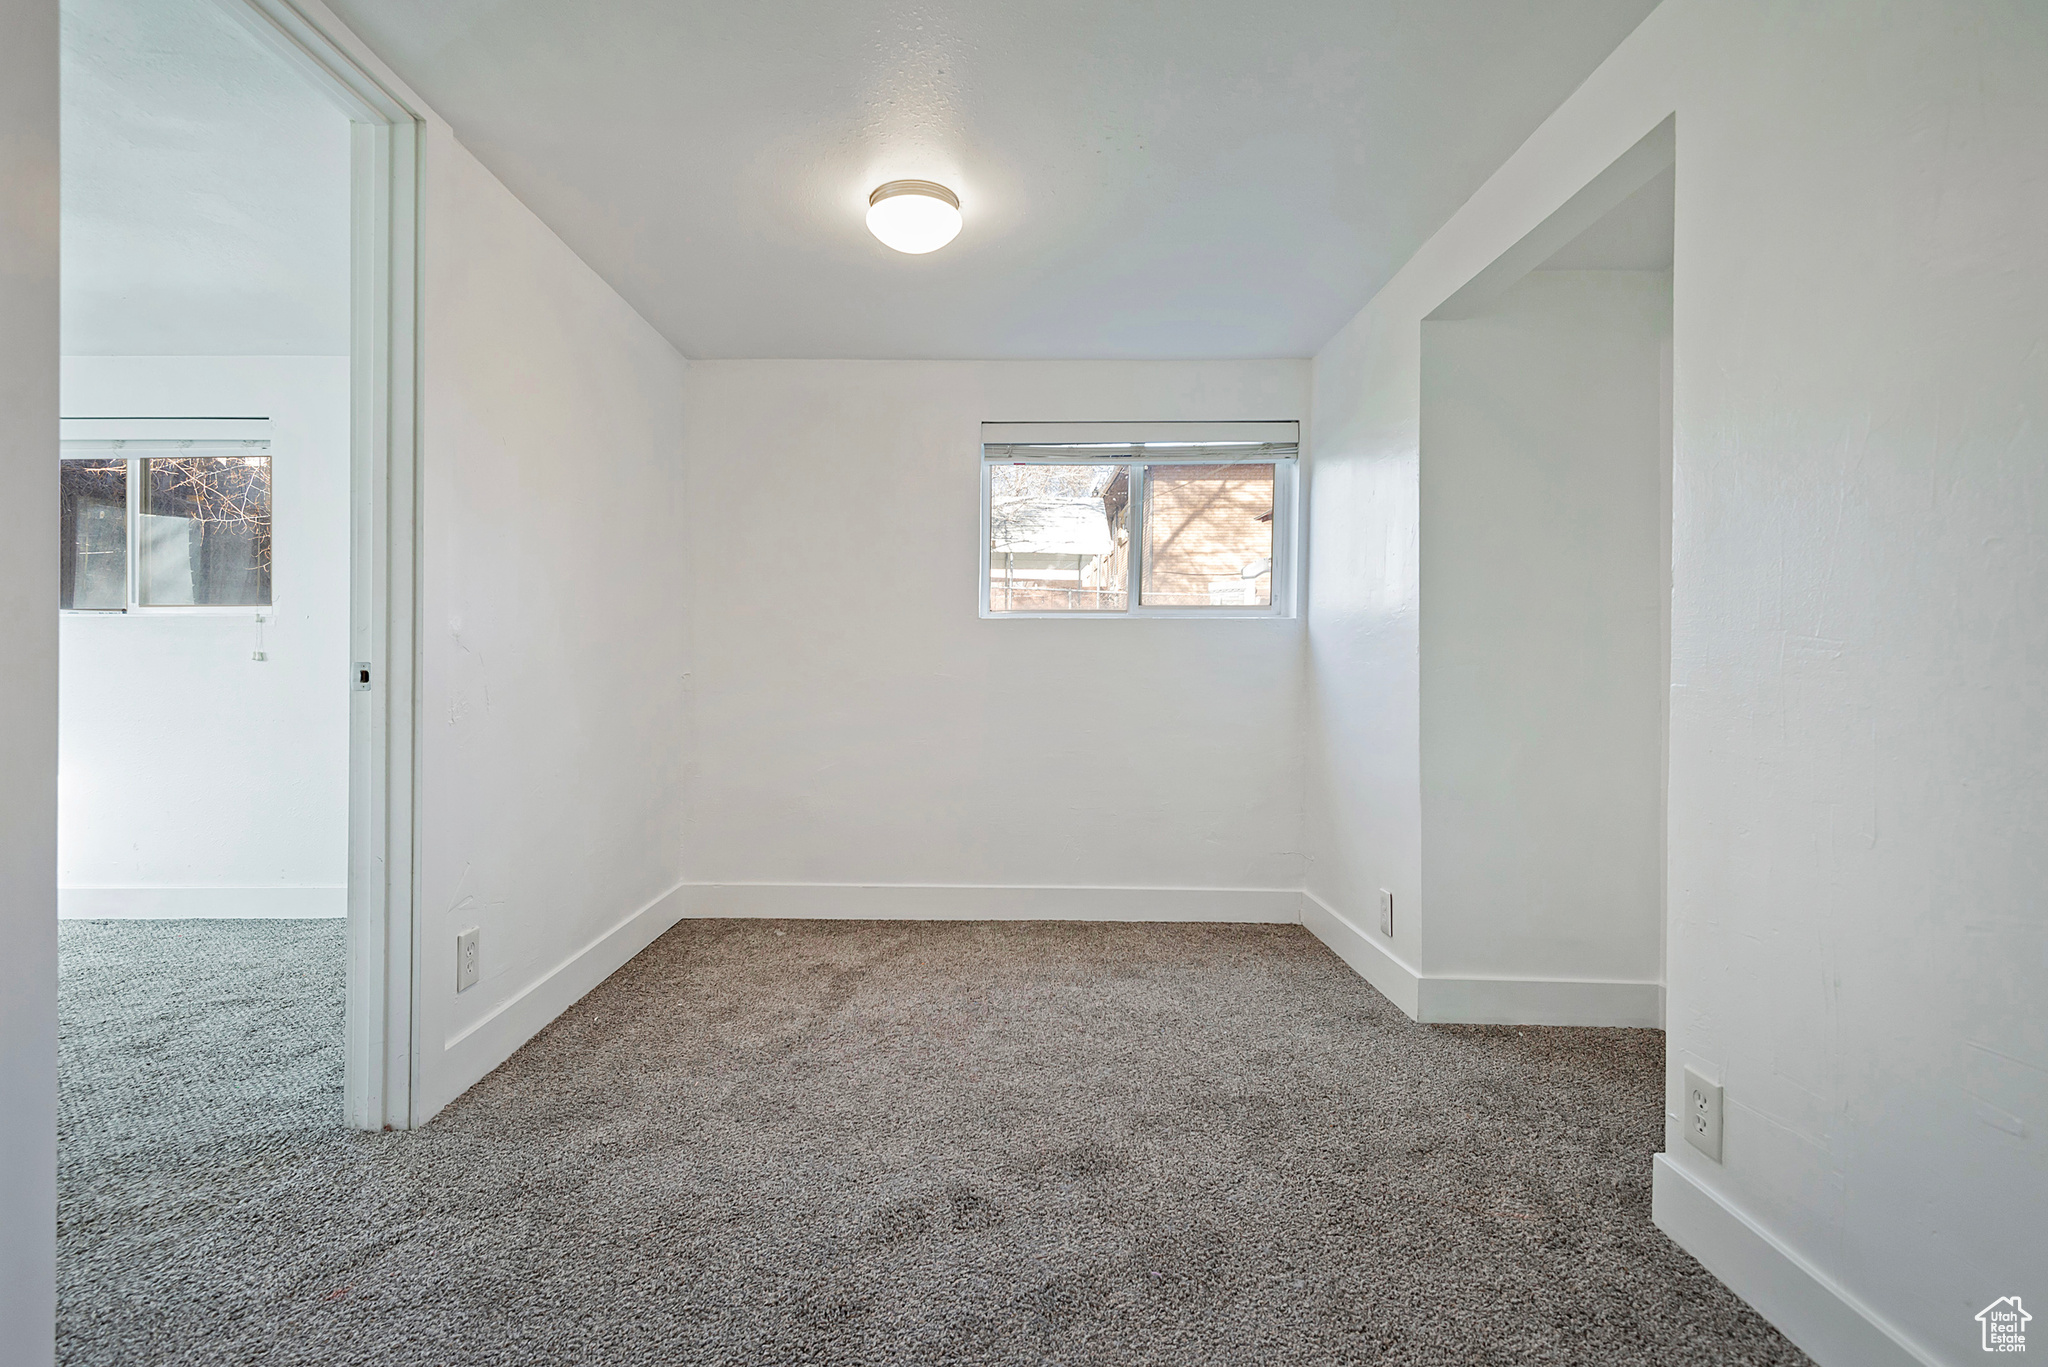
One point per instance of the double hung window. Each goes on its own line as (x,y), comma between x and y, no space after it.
(1138,519)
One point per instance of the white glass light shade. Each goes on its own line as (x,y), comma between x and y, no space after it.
(914,216)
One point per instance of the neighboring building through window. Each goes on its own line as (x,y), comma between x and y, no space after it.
(165,523)
(1138,519)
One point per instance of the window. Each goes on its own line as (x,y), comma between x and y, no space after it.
(1138,519)
(164,524)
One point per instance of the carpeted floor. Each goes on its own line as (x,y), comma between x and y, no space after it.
(840,1142)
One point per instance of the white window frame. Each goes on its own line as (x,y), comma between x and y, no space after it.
(134,440)
(1154,443)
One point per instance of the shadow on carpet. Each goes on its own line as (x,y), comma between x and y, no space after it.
(867,1142)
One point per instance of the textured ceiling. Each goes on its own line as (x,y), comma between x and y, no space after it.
(1206,178)
(205,186)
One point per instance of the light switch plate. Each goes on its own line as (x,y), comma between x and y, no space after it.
(468,955)
(1701,1114)
(1386,913)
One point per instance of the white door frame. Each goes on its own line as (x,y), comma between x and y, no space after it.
(384,368)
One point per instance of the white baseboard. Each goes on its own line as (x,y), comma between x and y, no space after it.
(1541,1001)
(472,1052)
(151,904)
(1481,1001)
(936,902)
(1830,1325)
(1370,957)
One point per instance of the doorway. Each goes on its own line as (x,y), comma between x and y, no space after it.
(237,679)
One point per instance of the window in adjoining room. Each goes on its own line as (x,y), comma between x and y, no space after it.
(1138,519)
(164,525)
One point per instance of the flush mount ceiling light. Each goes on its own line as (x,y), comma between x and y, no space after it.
(915,216)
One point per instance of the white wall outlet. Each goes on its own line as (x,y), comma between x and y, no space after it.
(1386,913)
(468,959)
(1702,1114)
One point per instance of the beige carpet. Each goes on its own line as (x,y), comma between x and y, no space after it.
(867,1143)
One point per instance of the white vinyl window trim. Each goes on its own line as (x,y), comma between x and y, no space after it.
(134,440)
(1140,446)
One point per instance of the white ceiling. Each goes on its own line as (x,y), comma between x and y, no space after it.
(1207,178)
(205,186)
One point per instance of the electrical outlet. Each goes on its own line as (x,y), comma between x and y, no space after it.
(467,959)
(1386,913)
(1702,1114)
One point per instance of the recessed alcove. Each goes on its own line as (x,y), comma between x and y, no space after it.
(1545,512)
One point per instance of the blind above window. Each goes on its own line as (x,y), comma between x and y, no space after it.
(76,432)
(1191,442)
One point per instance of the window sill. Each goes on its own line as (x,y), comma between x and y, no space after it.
(168,611)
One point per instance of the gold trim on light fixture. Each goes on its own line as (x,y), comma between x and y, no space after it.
(931,189)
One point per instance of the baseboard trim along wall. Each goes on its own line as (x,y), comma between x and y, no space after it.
(969,902)
(1370,957)
(1471,1001)
(149,904)
(1830,1325)
(1481,1001)
(1541,1001)
(473,1051)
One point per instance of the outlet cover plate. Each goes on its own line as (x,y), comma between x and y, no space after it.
(1701,1114)
(1386,913)
(468,956)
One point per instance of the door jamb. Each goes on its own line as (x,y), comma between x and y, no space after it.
(379,1090)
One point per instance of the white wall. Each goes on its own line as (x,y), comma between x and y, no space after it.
(28,686)
(855,722)
(551,639)
(196,780)
(1544,577)
(551,629)
(206,189)
(1859,755)
(1362,784)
